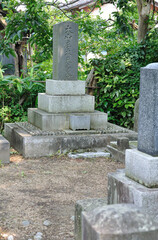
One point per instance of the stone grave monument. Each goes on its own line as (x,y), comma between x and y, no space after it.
(138,184)
(132,204)
(65,118)
(65,103)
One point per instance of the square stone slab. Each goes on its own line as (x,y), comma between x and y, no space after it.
(141,167)
(65,104)
(57,87)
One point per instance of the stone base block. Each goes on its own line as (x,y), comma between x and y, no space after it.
(142,167)
(80,122)
(65,104)
(46,145)
(50,122)
(122,189)
(118,222)
(31,142)
(4,150)
(85,205)
(57,87)
(47,121)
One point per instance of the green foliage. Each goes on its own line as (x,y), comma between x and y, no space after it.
(17,94)
(33,21)
(118,78)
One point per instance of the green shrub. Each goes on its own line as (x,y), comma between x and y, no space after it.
(118,79)
(18,94)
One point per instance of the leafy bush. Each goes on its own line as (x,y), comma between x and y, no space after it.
(17,94)
(118,79)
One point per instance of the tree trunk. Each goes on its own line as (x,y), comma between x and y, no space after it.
(20,58)
(144,11)
(16,62)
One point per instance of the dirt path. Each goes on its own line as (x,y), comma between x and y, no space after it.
(36,190)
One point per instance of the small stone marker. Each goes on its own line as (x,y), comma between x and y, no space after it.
(65,51)
(118,222)
(148,110)
(123,143)
(80,122)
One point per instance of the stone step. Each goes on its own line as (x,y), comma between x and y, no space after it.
(59,87)
(64,104)
(61,121)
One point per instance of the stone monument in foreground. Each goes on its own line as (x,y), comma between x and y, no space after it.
(138,184)
(63,109)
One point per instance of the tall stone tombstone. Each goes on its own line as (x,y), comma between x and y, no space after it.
(142,163)
(65,51)
(148,110)
(138,184)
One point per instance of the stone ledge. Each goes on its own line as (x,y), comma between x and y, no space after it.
(61,121)
(45,143)
(64,104)
(141,167)
(118,222)
(122,189)
(60,87)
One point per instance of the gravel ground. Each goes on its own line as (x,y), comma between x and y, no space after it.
(35,190)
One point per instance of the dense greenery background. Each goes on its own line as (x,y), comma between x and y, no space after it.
(117,73)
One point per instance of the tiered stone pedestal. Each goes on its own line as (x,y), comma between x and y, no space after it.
(62,99)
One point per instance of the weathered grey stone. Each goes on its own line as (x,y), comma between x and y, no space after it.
(59,121)
(65,104)
(45,145)
(89,155)
(118,222)
(98,120)
(148,108)
(47,121)
(117,149)
(142,167)
(25,223)
(123,143)
(4,150)
(136,114)
(85,205)
(57,87)
(116,154)
(47,223)
(10,237)
(122,189)
(78,122)
(65,51)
